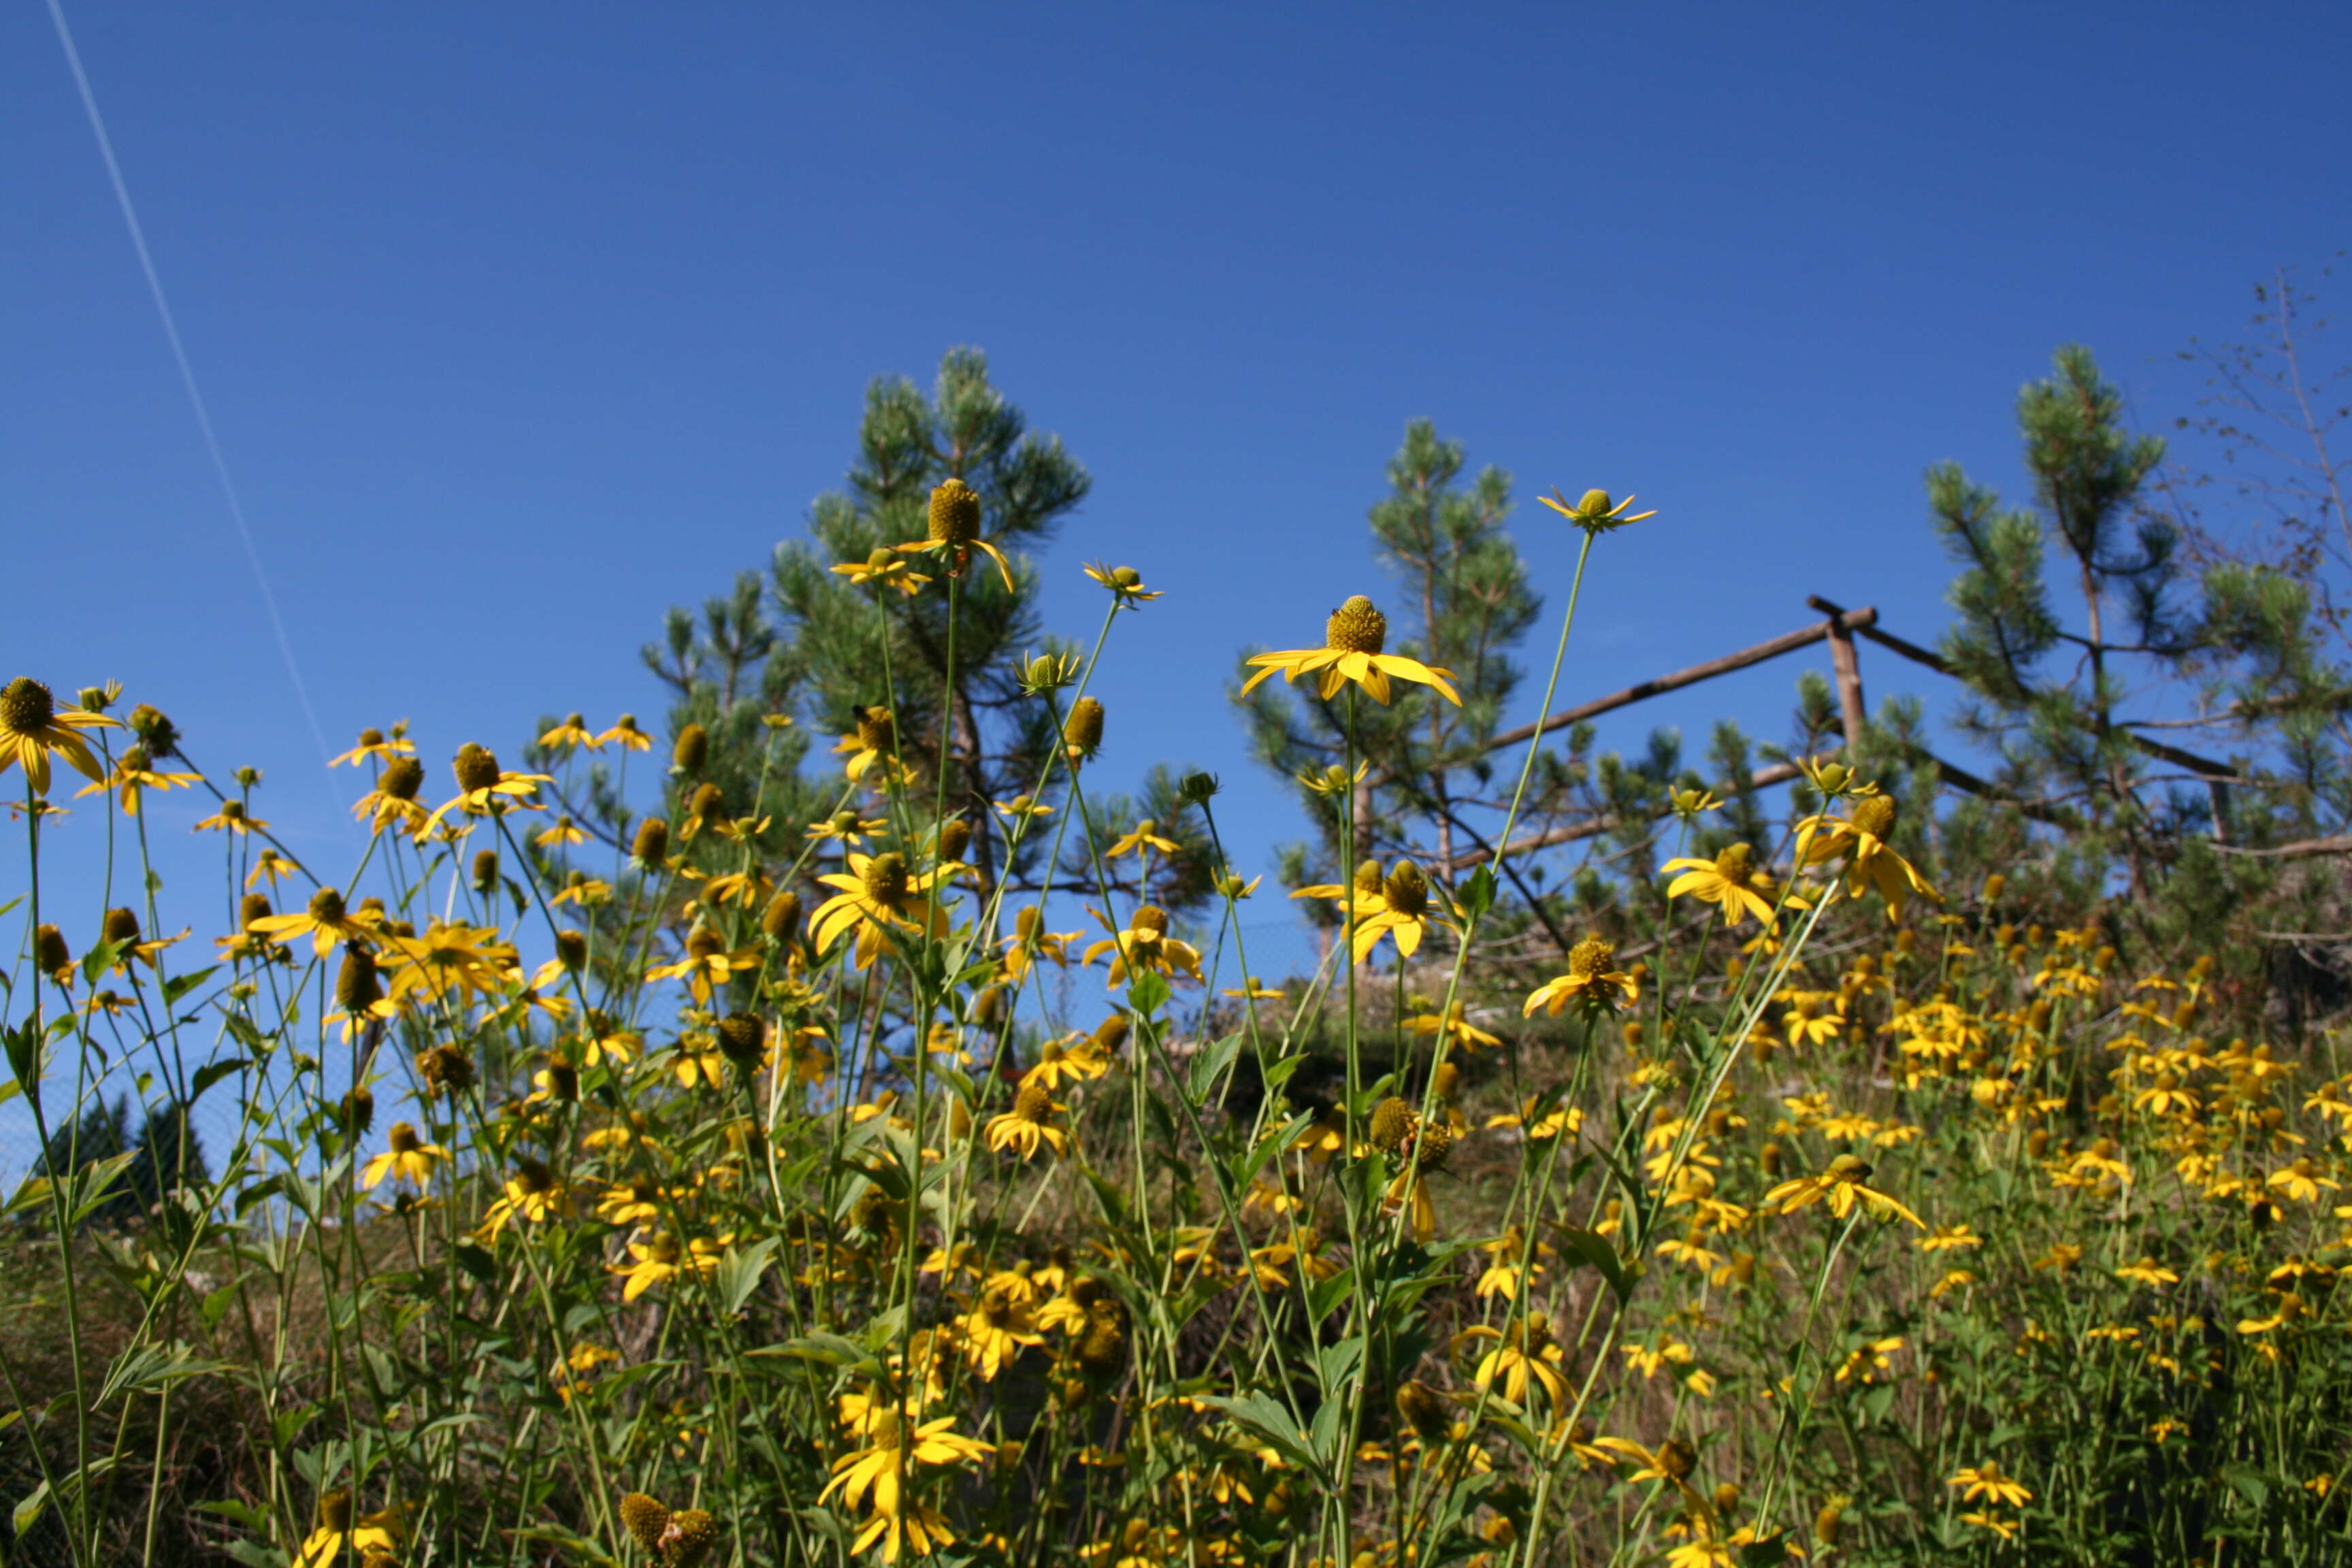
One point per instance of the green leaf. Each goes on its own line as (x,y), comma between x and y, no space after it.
(1596,1250)
(1209,1065)
(739,1272)
(1280,1072)
(28,1511)
(91,1184)
(101,957)
(138,1370)
(1324,1295)
(2247,1482)
(1476,895)
(477,1262)
(1149,994)
(179,985)
(1270,1421)
(24,1043)
(211,1073)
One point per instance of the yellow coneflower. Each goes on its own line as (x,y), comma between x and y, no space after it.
(878,1476)
(1454,1024)
(1352,641)
(393,803)
(336,1534)
(374,745)
(884,568)
(707,962)
(1986,1481)
(1145,836)
(871,744)
(272,866)
(1029,1125)
(1031,943)
(1406,910)
(325,920)
(533,1194)
(1591,984)
(451,956)
(878,893)
(954,518)
(1144,945)
(1840,1186)
(1082,731)
(1732,881)
(231,819)
(1860,838)
(625,734)
(133,774)
(484,788)
(999,1327)
(1525,1355)
(661,1258)
(1595,512)
(560,834)
(1124,583)
(845,828)
(410,1159)
(32,727)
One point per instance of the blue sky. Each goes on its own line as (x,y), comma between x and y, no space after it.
(521,323)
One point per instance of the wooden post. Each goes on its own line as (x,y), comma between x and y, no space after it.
(1847,667)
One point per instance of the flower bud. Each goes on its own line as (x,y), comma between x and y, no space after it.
(652,843)
(1082,731)
(783,914)
(486,870)
(156,733)
(691,751)
(50,953)
(356,989)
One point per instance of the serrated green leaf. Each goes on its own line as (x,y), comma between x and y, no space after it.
(739,1271)
(1595,1249)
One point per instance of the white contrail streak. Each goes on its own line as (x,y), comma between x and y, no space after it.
(187,374)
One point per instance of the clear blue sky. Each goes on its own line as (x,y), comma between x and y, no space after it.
(520,323)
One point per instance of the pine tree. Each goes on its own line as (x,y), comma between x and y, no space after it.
(787,660)
(2052,698)
(1464,604)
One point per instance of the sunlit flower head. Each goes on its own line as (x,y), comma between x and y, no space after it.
(1124,583)
(33,727)
(1595,512)
(884,568)
(1352,642)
